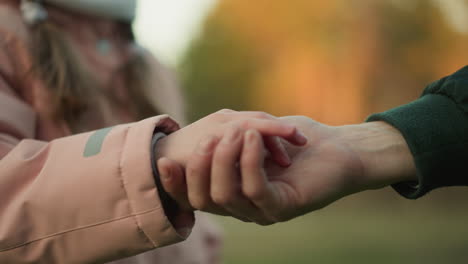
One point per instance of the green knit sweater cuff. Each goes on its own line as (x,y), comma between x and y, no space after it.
(436,131)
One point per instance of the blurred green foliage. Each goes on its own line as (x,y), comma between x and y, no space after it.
(216,72)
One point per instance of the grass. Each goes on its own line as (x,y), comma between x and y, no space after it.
(361,229)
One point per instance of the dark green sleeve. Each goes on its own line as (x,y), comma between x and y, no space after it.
(436,129)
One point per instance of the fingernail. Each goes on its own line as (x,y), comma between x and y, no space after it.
(301,138)
(206,145)
(184,232)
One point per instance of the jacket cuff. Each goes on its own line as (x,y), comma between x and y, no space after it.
(171,208)
(139,182)
(436,132)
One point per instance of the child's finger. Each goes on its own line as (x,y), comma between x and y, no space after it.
(173,180)
(255,185)
(199,178)
(199,173)
(226,181)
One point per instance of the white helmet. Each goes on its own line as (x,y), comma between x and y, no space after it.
(123,10)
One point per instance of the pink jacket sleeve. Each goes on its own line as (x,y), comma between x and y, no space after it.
(88,198)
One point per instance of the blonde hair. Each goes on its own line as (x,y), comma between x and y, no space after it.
(71,86)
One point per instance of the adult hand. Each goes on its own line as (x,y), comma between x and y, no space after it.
(336,162)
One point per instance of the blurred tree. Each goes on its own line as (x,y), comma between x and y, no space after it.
(217,71)
(335,61)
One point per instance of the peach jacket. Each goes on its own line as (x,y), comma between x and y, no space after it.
(91,197)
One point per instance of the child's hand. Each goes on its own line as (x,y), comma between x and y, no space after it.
(219,168)
(180,145)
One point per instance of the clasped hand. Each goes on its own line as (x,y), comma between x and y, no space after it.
(246,171)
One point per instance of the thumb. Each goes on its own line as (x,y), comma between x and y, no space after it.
(173,180)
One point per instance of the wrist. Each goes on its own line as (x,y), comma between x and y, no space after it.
(170,206)
(172,148)
(161,148)
(383,152)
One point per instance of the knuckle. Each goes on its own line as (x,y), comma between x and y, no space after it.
(244,124)
(222,198)
(200,203)
(217,117)
(223,155)
(193,170)
(234,126)
(226,111)
(262,115)
(221,115)
(253,193)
